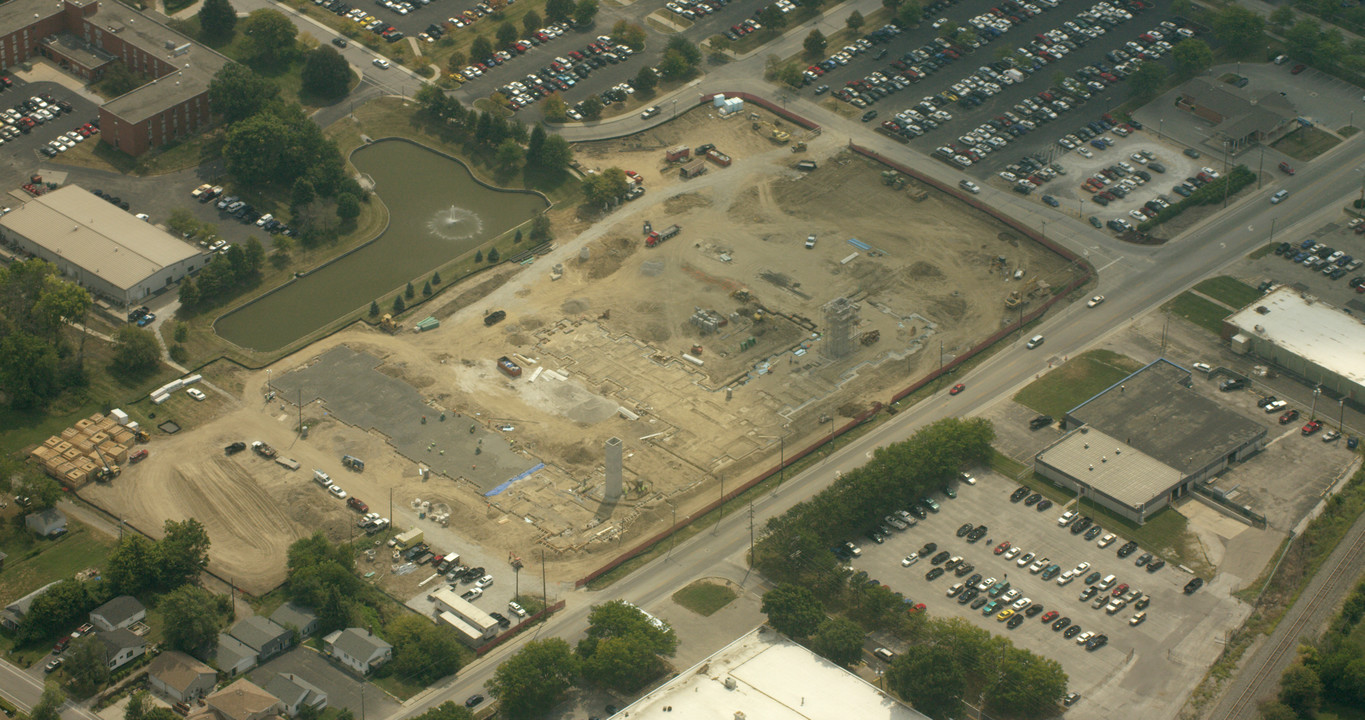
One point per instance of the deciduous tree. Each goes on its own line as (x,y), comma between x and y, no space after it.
(184,551)
(1147,79)
(423,651)
(559,11)
(191,618)
(929,678)
(236,92)
(854,21)
(50,705)
(269,37)
(1241,31)
(793,610)
(840,641)
(87,666)
(217,19)
(815,43)
(132,566)
(135,350)
(584,12)
(534,680)
(1192,56)
(1301,690)
(326,73)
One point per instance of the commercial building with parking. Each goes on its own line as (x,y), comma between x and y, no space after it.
(1321,344)
(108,251)
(85,36)
(1146,441)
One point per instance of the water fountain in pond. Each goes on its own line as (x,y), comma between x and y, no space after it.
(455,223)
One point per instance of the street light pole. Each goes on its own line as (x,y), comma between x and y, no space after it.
(1316,392)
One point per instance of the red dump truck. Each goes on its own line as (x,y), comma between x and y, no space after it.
(659,236)
(506,365)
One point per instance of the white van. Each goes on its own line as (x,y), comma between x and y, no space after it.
(1035,341)
(1106,583)
(810,241)
(322,478)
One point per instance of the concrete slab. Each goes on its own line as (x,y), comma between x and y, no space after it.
(356,393)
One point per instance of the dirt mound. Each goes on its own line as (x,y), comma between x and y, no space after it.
(608,256)
(684,202)
(924,271)
(574,306)
(948,307)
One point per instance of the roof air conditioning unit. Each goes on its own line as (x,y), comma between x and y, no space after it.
(730,683)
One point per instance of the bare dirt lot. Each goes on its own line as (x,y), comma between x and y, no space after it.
(603,328)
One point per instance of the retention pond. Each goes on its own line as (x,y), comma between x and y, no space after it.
(437,211)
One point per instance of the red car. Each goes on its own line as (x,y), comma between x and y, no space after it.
(138,456)
(1002,547)
(1120,590)
(1312,427)
(1298,69)
(1049,616)
(1286,168)
(357,505)
(919,607)
(957,389)
(1289,417)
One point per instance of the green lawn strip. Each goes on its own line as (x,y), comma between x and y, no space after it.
(704,597)
(1229,290)
(1306,143)
(1261,252)
(1007,466)
(1200,311)
(1076,381)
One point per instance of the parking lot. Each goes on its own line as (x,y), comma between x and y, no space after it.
(1179,628)
(1345,289)
(21,149)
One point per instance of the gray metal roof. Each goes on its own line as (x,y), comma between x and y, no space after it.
(1308,328)
(292,615)
(97,236)
(1110,466)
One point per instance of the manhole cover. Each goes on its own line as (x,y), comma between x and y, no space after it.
(168,427)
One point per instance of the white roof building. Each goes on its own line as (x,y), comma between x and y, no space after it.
(1320,343)
(764,675)
(103,247)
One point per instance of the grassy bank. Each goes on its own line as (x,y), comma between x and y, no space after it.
(1076,381)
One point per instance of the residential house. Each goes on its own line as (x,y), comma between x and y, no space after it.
(295,693)
(46,523)
(232,657)
(263,636)
(295,617)
(243,700)
(120,612)
(121,647)
(13,615)
(358,650)
(181,678)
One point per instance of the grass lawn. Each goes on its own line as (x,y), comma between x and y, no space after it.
(1229,290)
(1076,381)
(704,597)
(398,687)
(1306,143)
(33,563)
(1261,252)
(1005,465)
(1200,311)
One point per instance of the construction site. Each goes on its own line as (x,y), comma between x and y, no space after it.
(688,337)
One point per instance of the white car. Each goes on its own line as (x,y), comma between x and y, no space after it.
(1066,577)
(484,582)
(1038,565)
(1025,560)
(1081,568)
(985,585)
(967,478)
(1276,406)
(970,187)
(910,559)
(516,609)
(1021,603)
(1012,553)
(196,393)
(1066,518)
(144,217)
(1108,539)
(381,63)
(337,491)
(1009,595)
(1095,301)
(1084,637)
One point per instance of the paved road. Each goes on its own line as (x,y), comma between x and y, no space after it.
(25,688)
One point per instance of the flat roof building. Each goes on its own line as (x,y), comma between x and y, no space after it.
(447,600)
(764,675)
(85,36)
(105,249)
(1320,343)
(1147,440)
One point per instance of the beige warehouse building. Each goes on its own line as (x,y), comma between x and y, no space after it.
(107,250)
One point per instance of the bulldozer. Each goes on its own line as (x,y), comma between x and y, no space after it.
(777,135)
(141,436)
(799,146)
(388,324)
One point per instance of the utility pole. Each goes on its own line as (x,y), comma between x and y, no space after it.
(1272,230)
(673,529)
(720,517)
(301,415)
(1341,418)
(1259,166)
(751,531)
(544,587)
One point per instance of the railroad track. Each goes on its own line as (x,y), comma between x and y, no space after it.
(1290,639)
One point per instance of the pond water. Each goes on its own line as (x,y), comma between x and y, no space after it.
(437,212)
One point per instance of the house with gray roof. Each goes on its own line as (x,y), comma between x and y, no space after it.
(232,657)
(46,523)
(295,693)
(263,636)
(121,647)
(13,615)
(120,612)
(359,650)
(292,616)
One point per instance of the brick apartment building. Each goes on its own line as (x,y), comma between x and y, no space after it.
(85,36)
